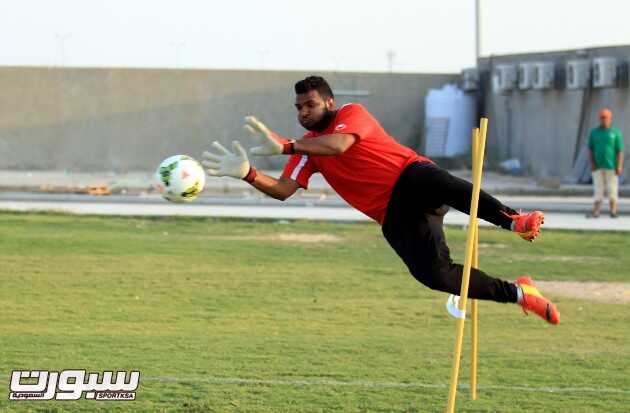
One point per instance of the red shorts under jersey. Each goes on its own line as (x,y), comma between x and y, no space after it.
(365,174)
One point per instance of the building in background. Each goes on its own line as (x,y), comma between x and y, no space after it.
(541,106)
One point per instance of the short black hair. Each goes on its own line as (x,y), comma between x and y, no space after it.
(317,83)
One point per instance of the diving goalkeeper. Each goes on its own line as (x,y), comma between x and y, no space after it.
(406,193)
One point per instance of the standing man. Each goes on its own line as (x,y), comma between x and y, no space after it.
(403,191)
(605,148)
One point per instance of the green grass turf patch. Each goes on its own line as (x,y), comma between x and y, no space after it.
(243,316)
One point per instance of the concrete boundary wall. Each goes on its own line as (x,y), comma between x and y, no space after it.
(129,119)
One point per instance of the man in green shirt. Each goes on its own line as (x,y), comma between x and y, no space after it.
(605,145)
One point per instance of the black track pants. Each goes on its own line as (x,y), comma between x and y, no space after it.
(413,227)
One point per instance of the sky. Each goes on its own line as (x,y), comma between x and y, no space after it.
(345,35)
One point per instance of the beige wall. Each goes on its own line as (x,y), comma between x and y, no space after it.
(130,119)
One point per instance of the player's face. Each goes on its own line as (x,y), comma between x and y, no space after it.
(605,122)
(312,109)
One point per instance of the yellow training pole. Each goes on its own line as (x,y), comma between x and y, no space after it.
(474,314)
(473,304)
(477,168)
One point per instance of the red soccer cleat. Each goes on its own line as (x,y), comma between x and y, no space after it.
(528,225)
(534,301)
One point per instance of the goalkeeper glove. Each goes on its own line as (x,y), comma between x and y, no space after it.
(272,143)
(226,163)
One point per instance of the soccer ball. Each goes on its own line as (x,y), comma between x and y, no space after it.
(179,178)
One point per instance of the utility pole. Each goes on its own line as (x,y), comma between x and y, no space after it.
(61,38)
(477,30)
(178,52)
(263,54)
(390,60)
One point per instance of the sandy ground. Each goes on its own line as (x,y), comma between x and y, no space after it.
(295,238)
(308,238)
(605,292)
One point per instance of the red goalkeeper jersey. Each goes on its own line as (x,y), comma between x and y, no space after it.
(365,174)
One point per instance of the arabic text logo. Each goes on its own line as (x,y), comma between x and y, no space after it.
(71,384)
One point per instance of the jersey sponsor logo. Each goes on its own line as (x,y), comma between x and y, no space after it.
(341,126)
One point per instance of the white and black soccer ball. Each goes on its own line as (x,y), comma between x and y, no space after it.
(179,178)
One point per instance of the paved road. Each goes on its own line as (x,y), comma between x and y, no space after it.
(138,181)
(576,205)
(269,209)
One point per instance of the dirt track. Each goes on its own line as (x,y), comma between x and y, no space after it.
(606,292)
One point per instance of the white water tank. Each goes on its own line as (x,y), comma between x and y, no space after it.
(450,116)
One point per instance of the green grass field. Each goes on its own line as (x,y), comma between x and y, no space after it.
(243,316)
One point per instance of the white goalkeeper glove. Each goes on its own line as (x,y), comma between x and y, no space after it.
(226,163)
(272,143)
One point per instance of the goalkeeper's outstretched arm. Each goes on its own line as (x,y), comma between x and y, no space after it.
(235,164)
(280,189)
(274,144)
